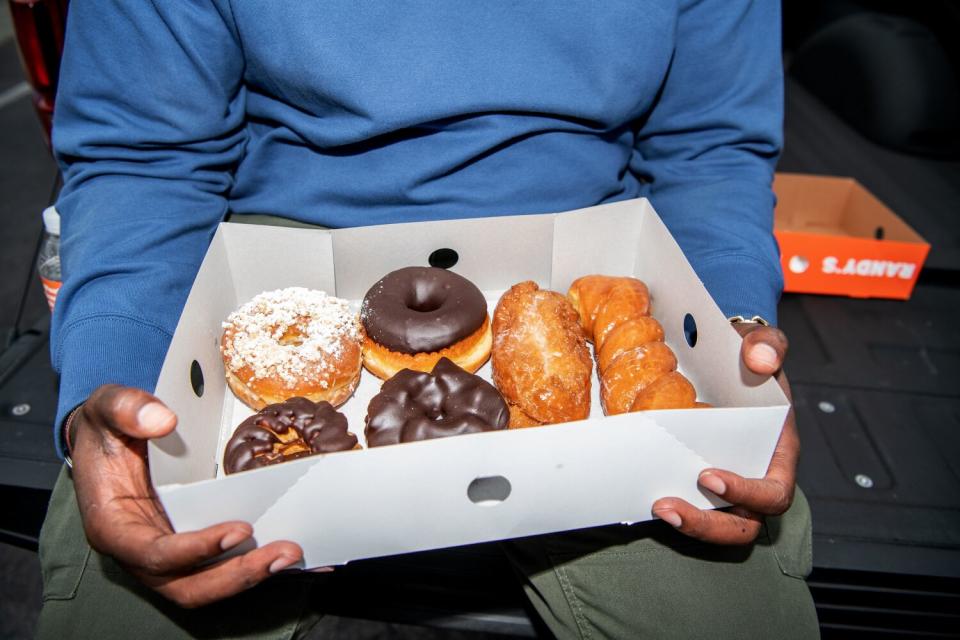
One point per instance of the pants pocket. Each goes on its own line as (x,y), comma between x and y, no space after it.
(649,581)
(791,538)
(64,552)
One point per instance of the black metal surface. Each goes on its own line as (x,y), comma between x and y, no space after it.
(877,394)
(28,392)
(881,475)
(22,515)
(884,345)
(26,172)
(857,605)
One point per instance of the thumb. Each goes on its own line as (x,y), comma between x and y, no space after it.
(129,412)
(764,350)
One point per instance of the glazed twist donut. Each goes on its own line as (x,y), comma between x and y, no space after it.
(637,369)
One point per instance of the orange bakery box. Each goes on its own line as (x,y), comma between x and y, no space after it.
(837,238)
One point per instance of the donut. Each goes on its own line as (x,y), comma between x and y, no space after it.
(541,362)
(295,428)
(415,316)
(292,342)
(637,370)
(626,336)
(448,401)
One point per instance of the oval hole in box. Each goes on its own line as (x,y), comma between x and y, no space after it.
(443,258)
(488,491)
(878,233)
(690,330)
(196,378)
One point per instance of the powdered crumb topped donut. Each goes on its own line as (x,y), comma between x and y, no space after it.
(292,342)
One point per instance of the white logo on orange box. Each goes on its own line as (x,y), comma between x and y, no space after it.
(869,268)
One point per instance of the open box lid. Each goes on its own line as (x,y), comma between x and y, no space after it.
(374,502)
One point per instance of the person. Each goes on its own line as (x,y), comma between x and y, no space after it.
(172,116)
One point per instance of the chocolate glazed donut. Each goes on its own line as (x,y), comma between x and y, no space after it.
(288,430)
(413,405)
(422,310)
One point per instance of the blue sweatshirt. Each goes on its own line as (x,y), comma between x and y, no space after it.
(170,114)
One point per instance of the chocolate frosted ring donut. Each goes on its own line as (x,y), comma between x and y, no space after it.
(422,310)
(414,405)
(288,430)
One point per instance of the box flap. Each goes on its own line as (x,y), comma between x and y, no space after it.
(242,261)
(601,239)
(493,253)
(188,454)
(241,496)
(738,440)
(710,358)
(422,490)
(267,258)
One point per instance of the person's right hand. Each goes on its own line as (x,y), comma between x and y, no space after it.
(124,519)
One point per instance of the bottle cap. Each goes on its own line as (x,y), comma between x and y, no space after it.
(51,221)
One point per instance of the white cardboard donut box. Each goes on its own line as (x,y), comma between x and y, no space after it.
(473,488)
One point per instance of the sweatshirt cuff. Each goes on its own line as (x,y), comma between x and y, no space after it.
(741,285)
(105,349)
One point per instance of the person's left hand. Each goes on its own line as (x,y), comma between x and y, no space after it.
(763,352)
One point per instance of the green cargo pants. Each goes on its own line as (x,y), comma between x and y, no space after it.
(642,581)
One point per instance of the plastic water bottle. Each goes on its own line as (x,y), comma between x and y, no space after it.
(48,262)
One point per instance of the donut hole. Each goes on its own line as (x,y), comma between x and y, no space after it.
(292,337)
(423,301)
(298,446)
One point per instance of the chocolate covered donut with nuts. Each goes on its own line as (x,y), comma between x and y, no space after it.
(288,430)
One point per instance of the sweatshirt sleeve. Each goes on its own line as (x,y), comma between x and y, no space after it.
(147,130)
(710,144)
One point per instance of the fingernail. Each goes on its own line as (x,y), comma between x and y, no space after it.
(321,570)
(153,416)
(670,517)
(765,354)
(232,539)
(713,483)
(281,563)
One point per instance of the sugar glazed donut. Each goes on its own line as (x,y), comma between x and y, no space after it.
(292,342)
(415,316)
(541,362)
(285,431)
(414,405)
